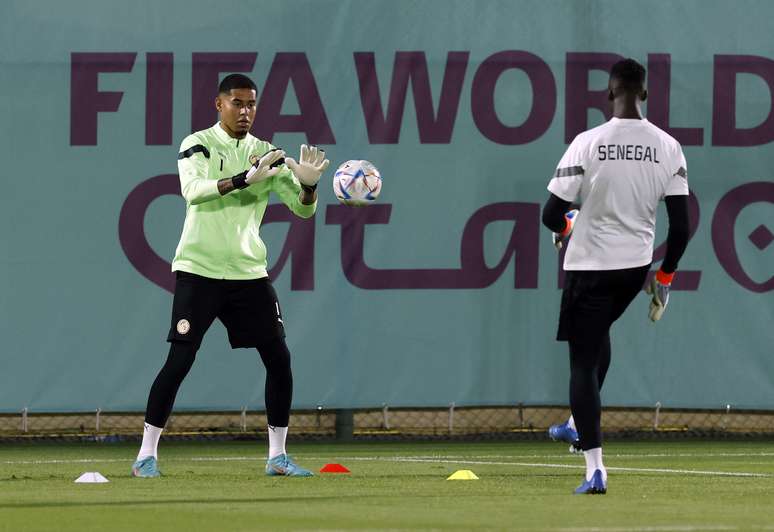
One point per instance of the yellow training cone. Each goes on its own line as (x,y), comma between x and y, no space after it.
(463,474)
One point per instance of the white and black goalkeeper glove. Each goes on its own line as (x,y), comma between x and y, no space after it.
(560,238)
(658,288)
(310,165)
(265,167)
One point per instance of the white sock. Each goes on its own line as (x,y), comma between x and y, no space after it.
(593,462)
(277,436)
(571,423)
(150,441)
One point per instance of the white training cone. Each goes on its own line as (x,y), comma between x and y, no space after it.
(92,477)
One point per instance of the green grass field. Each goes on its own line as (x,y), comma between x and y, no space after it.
(653,486)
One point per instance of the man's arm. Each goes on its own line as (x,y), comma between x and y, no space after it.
(677,240)
(676,199)
(559,219)
(296,185)
(553,213)
(308,195)
(193,168)
(301,201)
(679,231)
(565,187)
(229,184)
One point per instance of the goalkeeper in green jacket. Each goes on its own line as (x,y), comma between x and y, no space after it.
(220,262)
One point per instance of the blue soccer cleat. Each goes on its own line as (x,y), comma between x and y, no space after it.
(146,468)
(282,465)
(563,432)
(595,486)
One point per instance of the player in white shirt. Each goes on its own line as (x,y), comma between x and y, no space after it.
(618,173)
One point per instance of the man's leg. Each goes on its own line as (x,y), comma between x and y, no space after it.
(603,366)
(253,318)
(278,395)
(160,401)
(194,307)
(586,405)
(278,392)
(588,335)
(162,394)
(584,392)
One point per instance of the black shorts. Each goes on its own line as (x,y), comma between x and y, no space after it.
(249,310)
(593,300)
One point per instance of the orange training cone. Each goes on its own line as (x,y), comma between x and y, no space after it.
(334,468)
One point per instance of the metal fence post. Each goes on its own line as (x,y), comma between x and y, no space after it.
(724,423)
(655,417)
(345,424)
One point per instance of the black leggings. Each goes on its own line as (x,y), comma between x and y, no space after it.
(591,302)
(589,362)
(278,391)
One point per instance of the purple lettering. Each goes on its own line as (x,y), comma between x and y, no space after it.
(473,273)
(724,130)
(434,128)
(158,99)
(131,233)
(292,67)
(723,225)
(578,98)
(86,100)
(299,243)
(685,279)
(659,80)
(205,78)
(131,229)
(543,97)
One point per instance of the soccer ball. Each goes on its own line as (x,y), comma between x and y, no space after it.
(357,183)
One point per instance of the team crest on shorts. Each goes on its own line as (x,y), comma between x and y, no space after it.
(183,326)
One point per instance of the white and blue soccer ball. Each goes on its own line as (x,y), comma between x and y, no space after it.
(357,182)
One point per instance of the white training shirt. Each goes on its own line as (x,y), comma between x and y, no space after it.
(618,172)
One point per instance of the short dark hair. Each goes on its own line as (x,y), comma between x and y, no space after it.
(630,73)
(235,81)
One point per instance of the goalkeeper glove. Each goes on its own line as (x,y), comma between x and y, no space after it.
(264,167)
(659,289)
(560,238)
(310,165)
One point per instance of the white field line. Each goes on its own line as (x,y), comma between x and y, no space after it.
(409,459)
(568,466)
(661,528)
(566,456)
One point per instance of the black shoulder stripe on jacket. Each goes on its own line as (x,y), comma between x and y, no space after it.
(193,149)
